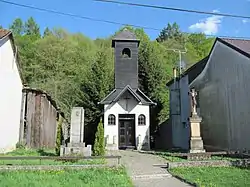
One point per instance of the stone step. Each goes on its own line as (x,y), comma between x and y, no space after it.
(152,176)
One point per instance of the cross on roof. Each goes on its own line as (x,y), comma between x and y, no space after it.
(126,98)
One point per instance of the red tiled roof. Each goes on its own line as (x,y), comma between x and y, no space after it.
(242,44)
(3,32)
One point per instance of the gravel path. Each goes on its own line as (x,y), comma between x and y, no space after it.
(145,170)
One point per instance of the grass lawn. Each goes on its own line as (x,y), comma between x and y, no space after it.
(82,178)
(41,152)
(215,176)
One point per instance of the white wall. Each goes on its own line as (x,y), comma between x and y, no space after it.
(10,97)
(120,108)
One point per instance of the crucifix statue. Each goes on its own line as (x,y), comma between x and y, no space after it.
(126,98)
(193,94)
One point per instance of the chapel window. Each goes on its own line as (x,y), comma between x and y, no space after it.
(111,119)
(126,53)
(141,119)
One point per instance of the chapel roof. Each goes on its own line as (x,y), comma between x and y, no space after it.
(125,35)
(116,94)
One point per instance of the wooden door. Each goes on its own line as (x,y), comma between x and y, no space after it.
(126,133)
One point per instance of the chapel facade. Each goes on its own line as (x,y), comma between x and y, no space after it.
(126,108)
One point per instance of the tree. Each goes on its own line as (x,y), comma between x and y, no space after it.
(155,71)
(170,32)
(17,27)
(99,146)
(1,27)
(31,27)
(46,32)
(201,44)
(59,135)
(78,71)
(98,83)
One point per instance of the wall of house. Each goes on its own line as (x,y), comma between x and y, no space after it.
(163,136)
(179,113)
(133,108)
(185,112)
(10,97)
(224,88)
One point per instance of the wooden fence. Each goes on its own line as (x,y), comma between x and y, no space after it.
(57,158)
(39,117)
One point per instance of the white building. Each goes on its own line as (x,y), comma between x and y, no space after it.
(11,92)
(126,108)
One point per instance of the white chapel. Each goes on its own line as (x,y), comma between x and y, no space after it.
(126,108)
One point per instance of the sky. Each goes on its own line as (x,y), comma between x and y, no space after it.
(147,17)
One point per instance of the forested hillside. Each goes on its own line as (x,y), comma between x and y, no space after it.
(78,71)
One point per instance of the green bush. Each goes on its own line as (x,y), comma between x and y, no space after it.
(59,135)
(99,146)
(20,145)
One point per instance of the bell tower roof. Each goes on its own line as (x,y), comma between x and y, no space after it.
(124,36)
(126,49)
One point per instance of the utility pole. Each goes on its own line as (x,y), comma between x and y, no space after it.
(180,57)
(180,72)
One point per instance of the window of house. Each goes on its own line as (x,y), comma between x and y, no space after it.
(111,119)
(126,53)
(141,120)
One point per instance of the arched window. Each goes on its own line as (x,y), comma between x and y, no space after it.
(126,53)
(141,120)
(111,119)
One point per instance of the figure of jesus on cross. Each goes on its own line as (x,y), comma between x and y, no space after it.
(127,98)
(193,94)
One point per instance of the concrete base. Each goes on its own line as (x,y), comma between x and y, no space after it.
(111,147)
(79,150)
(197,151)
(196,145)
(145,147)
(80,144)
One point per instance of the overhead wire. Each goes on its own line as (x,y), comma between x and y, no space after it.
(174,9)
(97,20)
(75,15)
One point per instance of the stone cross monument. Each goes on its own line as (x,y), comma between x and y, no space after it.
(77,127)
(196,142)
(76,144)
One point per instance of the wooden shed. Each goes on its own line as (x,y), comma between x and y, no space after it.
(39,117)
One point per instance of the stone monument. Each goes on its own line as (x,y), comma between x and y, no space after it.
(76,144)
(111,146)
(196,142)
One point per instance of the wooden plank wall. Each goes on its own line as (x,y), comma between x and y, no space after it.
(41,116)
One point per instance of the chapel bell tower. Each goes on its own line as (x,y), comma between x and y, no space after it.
(125,46)
(126,107)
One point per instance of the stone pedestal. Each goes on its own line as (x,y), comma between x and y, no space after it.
(76,144)
(111,146)
(77,125)
(196,142)
(139,145)
(114,139)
